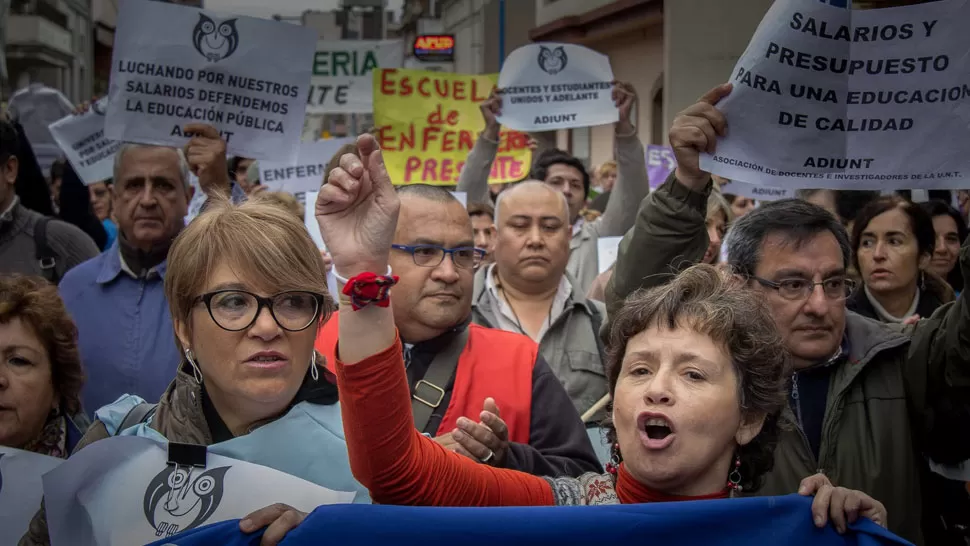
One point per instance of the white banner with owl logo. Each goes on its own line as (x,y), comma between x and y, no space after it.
(121,491)
(556,86)
(21,490)
(174,65)
(83,141)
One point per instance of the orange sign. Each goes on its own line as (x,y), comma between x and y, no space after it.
(435,47)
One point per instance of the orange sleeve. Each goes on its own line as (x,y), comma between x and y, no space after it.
(401,466)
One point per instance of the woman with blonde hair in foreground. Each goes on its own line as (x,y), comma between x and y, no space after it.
(698,382)
(247,292)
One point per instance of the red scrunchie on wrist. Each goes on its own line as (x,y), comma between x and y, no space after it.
(369,289)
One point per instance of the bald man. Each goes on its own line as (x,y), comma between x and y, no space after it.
(457,370)
(527,290)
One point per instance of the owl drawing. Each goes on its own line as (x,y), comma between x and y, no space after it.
(552,60)
(215,42)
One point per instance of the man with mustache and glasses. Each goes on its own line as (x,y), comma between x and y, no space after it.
(870,403)
(529,291)
(486,394)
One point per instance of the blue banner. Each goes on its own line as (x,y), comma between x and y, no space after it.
(731,522)
(836,3)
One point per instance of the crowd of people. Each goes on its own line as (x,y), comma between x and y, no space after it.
(817,345)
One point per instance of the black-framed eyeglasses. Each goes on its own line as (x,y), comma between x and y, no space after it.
(467,257)
(236,310)
(835,288)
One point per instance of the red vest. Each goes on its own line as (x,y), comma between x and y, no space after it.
(494,364)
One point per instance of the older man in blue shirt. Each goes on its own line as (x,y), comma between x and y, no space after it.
(117,299)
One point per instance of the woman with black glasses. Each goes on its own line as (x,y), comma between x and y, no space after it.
(246,288)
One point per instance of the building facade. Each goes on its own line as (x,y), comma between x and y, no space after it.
(51,42)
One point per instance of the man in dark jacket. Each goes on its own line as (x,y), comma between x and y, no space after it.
(870,403)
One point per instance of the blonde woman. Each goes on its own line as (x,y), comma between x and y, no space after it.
(247,293)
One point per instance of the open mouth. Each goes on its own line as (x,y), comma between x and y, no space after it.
(657,428)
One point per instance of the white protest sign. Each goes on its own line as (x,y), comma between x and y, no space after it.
(342,81)
(310,219)
(462,197)
(826,97)
(556,86)
(121,491)
(174,65)
(82,140)
(21,490)
(307,172)
(753,191)
(606,250)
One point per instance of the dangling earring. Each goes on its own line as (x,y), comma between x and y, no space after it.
(614,465)
(314,372)
(922,280)
(734,479)
(195,367)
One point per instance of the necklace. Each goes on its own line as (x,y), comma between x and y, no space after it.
(518,323)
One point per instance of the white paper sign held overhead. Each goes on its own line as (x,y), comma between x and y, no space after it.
(342,79)
(305,174)
(85,145)
(174,65)
(553,86)
(826,97)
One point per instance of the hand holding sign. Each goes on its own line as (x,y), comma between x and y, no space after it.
(695,130)
(206,154)
(491,108)
(279,519)
(357,210)
(625,96)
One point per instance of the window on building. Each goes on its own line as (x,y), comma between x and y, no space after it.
(579,144)
(657,114)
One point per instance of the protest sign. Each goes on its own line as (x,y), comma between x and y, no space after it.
(606,250)
(826,97)
(758,520)
(174,65)
(427,122)
(342,74)
(660,163)
(462,197)
(21,490)
(556,86)
(83,142)
(754,191)
(304,174)
(121,491)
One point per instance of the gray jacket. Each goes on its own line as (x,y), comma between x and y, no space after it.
(632,185)
(571,346)
(18,250)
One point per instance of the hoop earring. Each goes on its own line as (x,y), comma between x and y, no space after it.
(734,478)
(196,372)
(314,371)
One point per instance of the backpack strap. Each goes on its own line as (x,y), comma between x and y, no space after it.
(43,252)
(597,320)
(429,392)
(137,415)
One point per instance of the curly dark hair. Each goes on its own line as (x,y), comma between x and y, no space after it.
(714,304)
(35,302)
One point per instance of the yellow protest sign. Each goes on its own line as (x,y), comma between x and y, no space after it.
(427,123)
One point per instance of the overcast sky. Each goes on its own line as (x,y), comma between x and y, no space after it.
(286,8)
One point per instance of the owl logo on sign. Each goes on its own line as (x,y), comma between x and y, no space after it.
(177,501)
(552,61)
(215,42)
